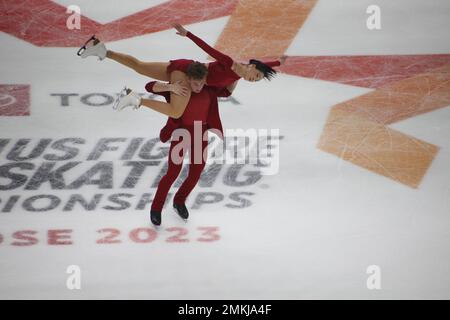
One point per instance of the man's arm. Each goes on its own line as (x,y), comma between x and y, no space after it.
(225,91)
(232,86)
(164,89)
(161,87)
(156,87)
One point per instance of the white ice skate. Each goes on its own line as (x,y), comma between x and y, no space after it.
(93,47)
(127,98)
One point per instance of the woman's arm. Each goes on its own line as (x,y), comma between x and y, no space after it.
(219,56)
(161,87)
(276,63)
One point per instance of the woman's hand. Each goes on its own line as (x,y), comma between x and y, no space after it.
(181,30)
(179,89)
(283,59)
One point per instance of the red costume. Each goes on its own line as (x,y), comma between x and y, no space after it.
(202,107)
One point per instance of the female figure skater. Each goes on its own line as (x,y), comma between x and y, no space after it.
(225,70)
(221,73)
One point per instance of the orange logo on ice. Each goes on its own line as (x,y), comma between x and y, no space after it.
(14,100)
(356,130)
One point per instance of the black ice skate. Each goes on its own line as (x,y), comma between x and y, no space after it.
(181,210)
(155,217)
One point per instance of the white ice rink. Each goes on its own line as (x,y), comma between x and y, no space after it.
(309,231)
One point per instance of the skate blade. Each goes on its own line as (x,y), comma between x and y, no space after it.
(125,91)
(83,47)
(156,226)
(176,212)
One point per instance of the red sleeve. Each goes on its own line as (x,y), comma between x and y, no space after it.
(149,88)
(219,56)
(275,63)
(221,91)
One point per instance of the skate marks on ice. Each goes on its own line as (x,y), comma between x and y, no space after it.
(43,22)
(14,100)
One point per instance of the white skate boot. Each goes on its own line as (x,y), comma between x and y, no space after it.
(127,98)
(93,47)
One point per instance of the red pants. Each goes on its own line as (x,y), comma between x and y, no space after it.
(173,170)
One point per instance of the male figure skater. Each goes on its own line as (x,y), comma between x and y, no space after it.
(200,115)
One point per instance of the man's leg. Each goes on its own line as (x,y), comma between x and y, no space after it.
(155,70)
(195,170)
(173,170)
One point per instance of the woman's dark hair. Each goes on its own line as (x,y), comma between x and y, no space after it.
(268,72)
(197,71)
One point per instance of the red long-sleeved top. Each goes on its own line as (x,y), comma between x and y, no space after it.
(219,71)
(202,106)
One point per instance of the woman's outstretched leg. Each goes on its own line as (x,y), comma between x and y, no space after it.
(174,107)
(94,47)
(155,70)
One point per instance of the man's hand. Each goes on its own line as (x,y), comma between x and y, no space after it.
(181,30)
(178,88)
(232,86)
